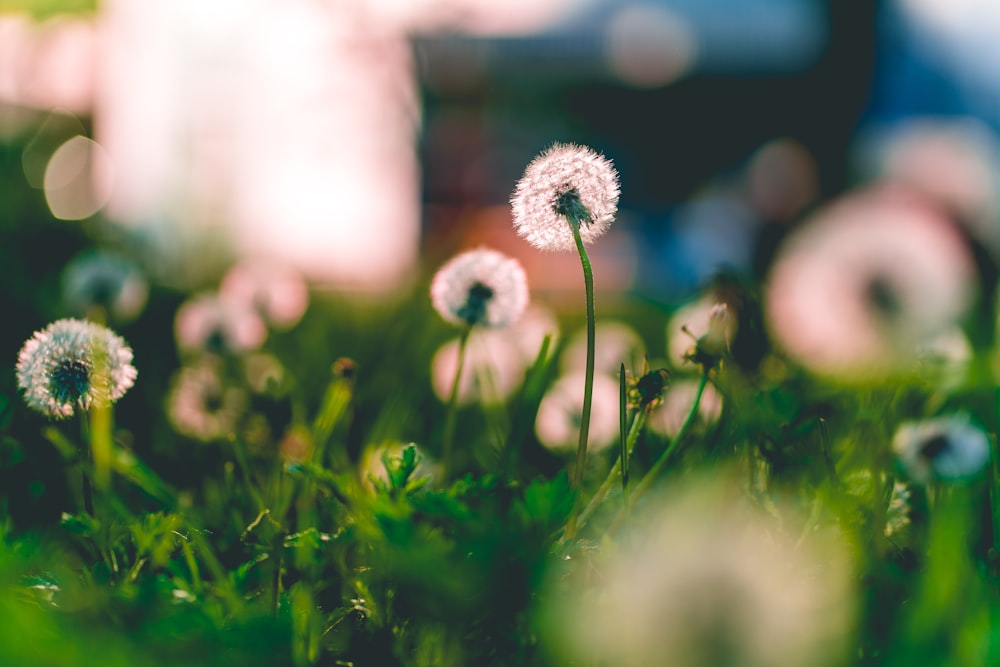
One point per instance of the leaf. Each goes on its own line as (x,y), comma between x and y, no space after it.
(546,503)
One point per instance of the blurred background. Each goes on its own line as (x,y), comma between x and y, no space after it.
(361,141)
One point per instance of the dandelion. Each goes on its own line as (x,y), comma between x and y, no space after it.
(678,403)
(201,405)
(480,287)
(559,417)
(854,293)
(944,448)
(278,294)
(104,282)
(568,197)
(207,323)
(483,288)
(491,370)
(707,582)
(565,183)
(74,364)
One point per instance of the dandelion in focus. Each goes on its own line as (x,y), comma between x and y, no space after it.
(104,286)
(480,287)
(568,197)
(73,364)
(202,405)
(279,295)
(559,417)
(708,581)
(207,323)
(855,292)
(566,185)
(946,448)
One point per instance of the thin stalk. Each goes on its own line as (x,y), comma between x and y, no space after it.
(588,385)
(88,490)
(449,424)
(657,468)
(625,450)
(638,422)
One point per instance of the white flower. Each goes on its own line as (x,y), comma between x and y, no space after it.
(855,292)
(201,405)
(206,322)
(480,287)
(562,183)
(944,448)
(278,294)
(493,369)
(557,423)
(73,364)
(667,418)
(102,280)
(704,581)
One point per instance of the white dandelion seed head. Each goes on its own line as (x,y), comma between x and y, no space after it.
(480,287)
(854,293)
(493,369)
(102,280)
(944,448)
(202,405)
(73,364)
(277,293)
(706,580)
(565,178)
(207,322)
(557,423)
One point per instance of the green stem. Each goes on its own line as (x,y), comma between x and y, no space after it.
(88,490)
(638,422)
(588,385)
(449,424)
(657,468)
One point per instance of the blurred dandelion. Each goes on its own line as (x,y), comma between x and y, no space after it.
(944,448)
(565,181)
(677,402)
(706,323)
(557,423)
(202,405)
(480,287)
(492,370)
(278,294)
(74,364)
(615,342)
(207,323)
(101,284)
(855,292)
(708,582)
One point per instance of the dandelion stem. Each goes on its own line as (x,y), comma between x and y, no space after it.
(588,386)
(449,424)
(657,468)
(88,491)
(638,422)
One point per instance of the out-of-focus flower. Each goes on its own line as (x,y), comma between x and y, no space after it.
(705,324)
(296,446)
(207,323)
(531,329)
(492,371)
(557,423)
(707,581)
(677,403)
(945,359)
(480,287)
(264,373)
(100,280)
(855,292)
(565,182)
(615,343)
(944,448)
(278,294)
(74,364)
(202,405)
